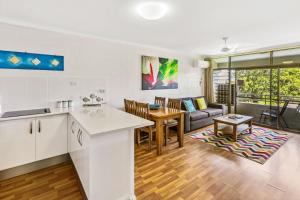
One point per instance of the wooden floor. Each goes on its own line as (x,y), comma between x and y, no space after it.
(201,171)
(53,183)
(197,171)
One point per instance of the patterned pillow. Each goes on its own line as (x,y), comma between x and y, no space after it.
(189,106)
(201,103)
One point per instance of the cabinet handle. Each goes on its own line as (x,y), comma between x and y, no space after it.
(72,126)
(78,133)
(30,129)
(80,138)
(40,127)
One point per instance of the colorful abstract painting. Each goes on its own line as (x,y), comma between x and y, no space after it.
(159,73)
(30,61)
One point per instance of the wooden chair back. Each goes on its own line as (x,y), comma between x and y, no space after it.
(174,104)
(160,101)
(130,106)
(142,110)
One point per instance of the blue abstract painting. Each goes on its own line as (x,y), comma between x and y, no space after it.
(30,61)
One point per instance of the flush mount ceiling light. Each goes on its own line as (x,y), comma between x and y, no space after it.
(152,10)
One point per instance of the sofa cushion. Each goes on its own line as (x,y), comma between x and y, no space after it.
(195,101)
(201,103)
(182,104)
(189,106)
(198,115)
(213,111)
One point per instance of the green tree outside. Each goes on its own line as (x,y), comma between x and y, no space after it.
(256,83)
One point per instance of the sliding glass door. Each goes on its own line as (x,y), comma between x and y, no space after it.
(264,85)
(256,94)
(271,95)
(289,93)
(288,62)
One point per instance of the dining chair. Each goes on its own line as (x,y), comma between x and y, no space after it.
(143,110)
(160,101)
(130,106)
(172,104)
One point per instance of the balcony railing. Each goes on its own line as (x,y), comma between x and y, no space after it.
(267,100)
(254,105)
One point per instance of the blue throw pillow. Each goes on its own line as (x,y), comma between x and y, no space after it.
(189,106)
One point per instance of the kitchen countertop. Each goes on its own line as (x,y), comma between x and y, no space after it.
(96,120)
(106,119)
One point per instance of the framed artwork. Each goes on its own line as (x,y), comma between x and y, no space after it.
(30,61)
(159,73)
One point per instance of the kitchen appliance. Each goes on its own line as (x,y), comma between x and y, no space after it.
(59,104)
(70,103)
(25,112)
(65,104)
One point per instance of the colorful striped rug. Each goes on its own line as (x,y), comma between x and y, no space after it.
(258,146)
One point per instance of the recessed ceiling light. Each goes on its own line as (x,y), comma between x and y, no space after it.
(152,10)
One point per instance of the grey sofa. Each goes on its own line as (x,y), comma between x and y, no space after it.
(201,118)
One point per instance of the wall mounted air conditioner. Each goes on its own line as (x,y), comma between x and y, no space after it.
(202,64)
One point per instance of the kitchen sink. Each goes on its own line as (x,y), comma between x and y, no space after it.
(26,112)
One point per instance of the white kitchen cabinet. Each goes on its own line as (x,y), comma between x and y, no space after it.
(72,131)
(51,136)
(100,141)
(23,141)
(83,154)
(79,147)
(17,142)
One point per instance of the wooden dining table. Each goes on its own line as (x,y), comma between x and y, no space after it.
(160,116)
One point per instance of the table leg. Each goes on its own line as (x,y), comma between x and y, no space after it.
(250,126)
(180,129)
(216,128)
(159,136)
(234,133)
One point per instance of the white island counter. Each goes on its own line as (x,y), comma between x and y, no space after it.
(101,146)
(100,141)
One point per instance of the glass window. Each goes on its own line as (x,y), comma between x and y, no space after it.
(289,56)
(251,60)
(220,63)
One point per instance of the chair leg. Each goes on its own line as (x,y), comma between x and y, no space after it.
(138,138)
(260,118)
(285,123)
(150,139)
(280,123)
(166,135)
(177,129)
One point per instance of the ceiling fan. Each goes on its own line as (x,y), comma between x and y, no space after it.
(236,48)
(226,48)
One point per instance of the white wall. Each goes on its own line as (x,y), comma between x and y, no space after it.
(116,64)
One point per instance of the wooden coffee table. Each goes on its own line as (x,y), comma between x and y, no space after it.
(234,123)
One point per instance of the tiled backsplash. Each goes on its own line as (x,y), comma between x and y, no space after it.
(36,92)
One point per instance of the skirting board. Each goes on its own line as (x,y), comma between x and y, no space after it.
(31,167)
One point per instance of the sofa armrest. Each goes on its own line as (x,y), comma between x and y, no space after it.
(219,106)
(187,122)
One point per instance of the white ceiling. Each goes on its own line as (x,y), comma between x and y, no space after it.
(192,26)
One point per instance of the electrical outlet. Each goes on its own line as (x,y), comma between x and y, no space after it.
(73,83)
